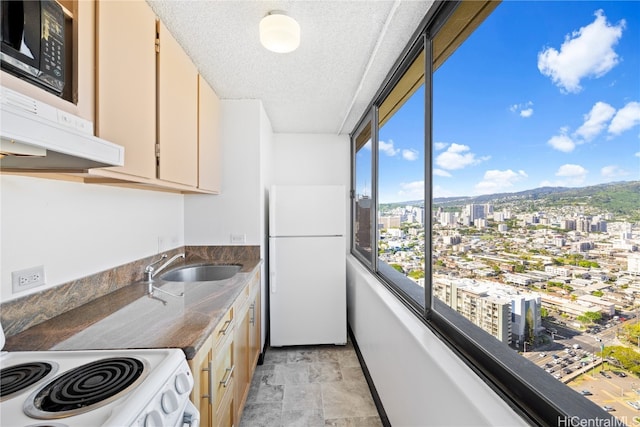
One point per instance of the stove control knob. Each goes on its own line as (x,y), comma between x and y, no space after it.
(169,401)
(183,383)
(153,419)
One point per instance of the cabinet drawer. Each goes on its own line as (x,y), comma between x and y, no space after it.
(224,328)
(225,414)
(224,367)
(242,300)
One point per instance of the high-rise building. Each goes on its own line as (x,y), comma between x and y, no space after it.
(476,211)
(484,306)
(363,224)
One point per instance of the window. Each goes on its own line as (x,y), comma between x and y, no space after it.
(362,209)
(400,183)
(517,125)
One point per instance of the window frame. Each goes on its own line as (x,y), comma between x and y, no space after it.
(539,399)
(367,120)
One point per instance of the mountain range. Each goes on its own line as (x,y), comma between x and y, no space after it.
(619,198)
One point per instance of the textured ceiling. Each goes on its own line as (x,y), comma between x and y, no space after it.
(347,48)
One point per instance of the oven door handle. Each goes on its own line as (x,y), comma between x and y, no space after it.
(190,416)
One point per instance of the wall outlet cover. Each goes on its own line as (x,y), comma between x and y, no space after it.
(28,278)
(238,238)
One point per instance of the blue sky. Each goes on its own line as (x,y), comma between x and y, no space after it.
(543,93)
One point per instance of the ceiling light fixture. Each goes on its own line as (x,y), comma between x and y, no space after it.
(279,33)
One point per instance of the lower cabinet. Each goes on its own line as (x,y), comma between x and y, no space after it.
(224,366)
(213,376)
(246,351)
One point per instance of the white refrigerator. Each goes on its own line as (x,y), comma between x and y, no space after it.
(307,265)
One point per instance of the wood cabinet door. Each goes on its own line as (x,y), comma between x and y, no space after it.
(241,360)
(201,367)
(126,82)
(254,332)
(209,162)
(177,112)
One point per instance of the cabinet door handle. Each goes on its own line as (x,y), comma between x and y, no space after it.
(225,327)
(227,376)
(252,319)
(210,374)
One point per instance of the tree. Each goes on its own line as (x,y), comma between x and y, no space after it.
(589,317)
(416,274)
(398,267)
(593,316)
(628,358)
(544,312)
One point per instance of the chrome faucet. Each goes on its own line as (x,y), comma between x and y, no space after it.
(150,272)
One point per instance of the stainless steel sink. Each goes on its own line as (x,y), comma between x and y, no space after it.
(201,273)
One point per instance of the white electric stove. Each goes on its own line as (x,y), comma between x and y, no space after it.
(119,388)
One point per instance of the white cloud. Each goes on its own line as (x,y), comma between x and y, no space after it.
(439,191)
(524,110)
(572,174)
(495,181)
(410,154)
(526,113)
(458,156)
(387,148)
(440,145)
(367,146)
(562,142)
(595,120)
(613,171)
(411,190)
(587,52)
(441,172)
(626,118)
(637,154)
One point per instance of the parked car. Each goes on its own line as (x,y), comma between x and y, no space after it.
(604,374)
(608,408)
(634,405)
(585,393)
(620,374)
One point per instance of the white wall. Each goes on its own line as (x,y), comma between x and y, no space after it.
(315,159)
(211,219)
(420,381)
(77,229)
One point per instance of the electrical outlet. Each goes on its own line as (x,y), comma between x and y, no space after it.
(27,278)
(238,238)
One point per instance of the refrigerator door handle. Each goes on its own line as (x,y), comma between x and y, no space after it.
(272,282)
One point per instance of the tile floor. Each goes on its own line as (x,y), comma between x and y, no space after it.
(310,386)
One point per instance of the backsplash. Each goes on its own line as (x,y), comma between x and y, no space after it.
(23,313)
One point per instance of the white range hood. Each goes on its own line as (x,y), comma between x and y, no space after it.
(37,137)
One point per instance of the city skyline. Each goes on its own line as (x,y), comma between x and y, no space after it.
(556,104)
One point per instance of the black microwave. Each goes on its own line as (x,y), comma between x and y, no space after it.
(33,42)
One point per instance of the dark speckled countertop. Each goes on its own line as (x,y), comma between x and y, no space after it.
(128,318)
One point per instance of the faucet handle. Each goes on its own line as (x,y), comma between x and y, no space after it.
(149,268)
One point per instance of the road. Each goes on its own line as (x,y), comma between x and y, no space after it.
(611,390)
